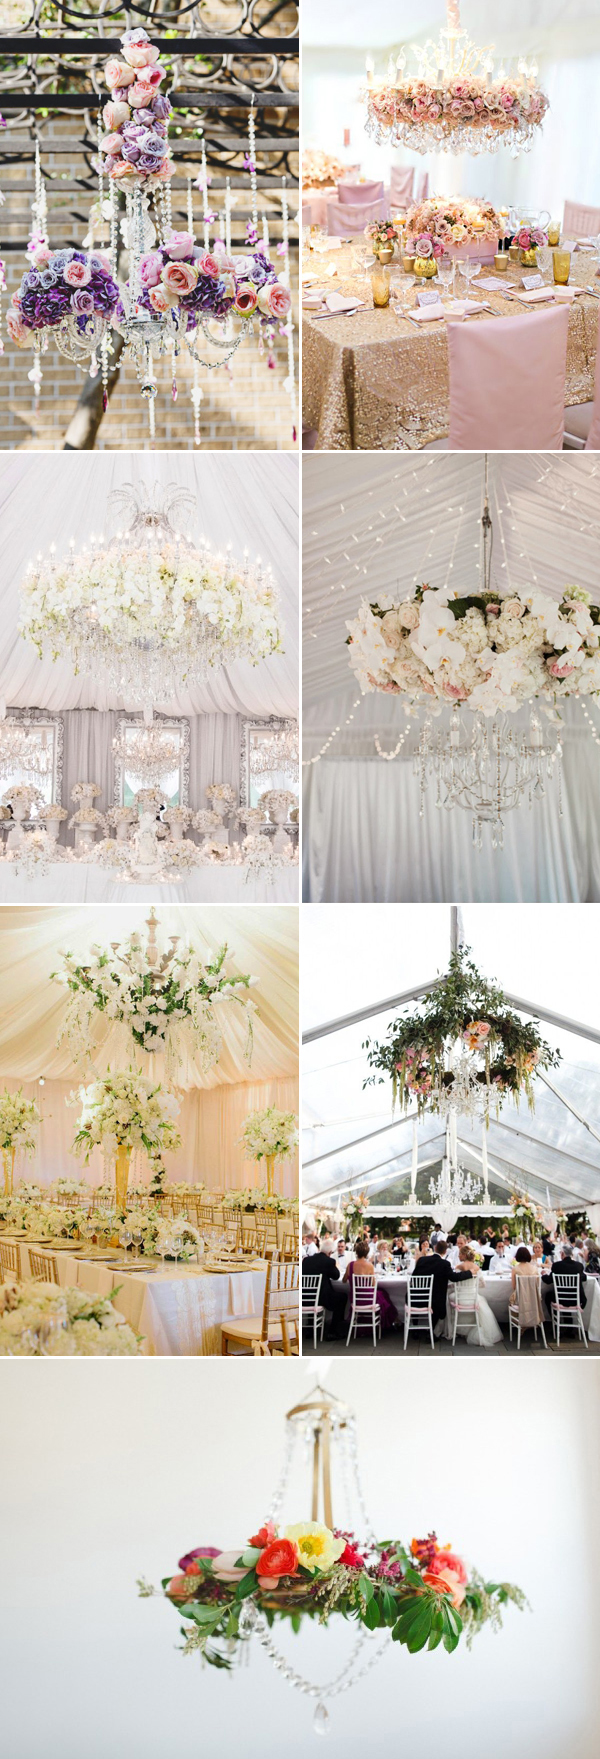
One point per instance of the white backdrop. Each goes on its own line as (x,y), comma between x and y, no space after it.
(88,756)
(129,1478)
(249,502)
(564,38)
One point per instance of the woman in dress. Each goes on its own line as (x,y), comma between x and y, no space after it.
(525,1291)
(362,1266)
(488,1332)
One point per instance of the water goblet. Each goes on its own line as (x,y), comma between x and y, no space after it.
(125,1237)
(446,267)
(137,1235)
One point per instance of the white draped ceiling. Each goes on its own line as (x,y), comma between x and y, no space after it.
(262,941)
(562,35)
(376,524)
(249,502)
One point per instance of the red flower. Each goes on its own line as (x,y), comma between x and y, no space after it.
(264,1536)
(279,1558)
(352,1558)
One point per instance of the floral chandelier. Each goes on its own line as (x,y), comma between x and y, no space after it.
(277,751)
(148,610)
(177,294)
(166,999)
(463,1052)
(419,1595)
(454,102)
(24,750)
(148,752)
(488,654)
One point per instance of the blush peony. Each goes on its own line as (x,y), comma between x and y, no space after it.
(274,300)
(245,299)
(76,274)
(179,278)
(179,244)
(207,264)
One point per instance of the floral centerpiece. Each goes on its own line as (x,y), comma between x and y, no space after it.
(23,795)
(527,1216)
(487,651)
(67,293)
(19,1119)
(122,1112)
(320,169)
(354,1209)
(259,857)
(457,111)
(135,147)
(154,999)
(383,236)
(425,1595)
(206,821)
(53,814)
(269,1135)
(277,802)
(436,228)
(251,817)
(37,1321)
(497,1052)
(529,239)
(85,790)
(211,851)
(87,815)
(222,797)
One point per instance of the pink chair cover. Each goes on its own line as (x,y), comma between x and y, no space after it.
(580,221)
(359,192)
(402,178)
(422,187)
(592,443)
(343,220)
(507,382)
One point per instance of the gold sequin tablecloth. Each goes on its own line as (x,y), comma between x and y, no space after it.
(377,382)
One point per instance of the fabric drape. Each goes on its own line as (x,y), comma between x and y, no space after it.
(88,755)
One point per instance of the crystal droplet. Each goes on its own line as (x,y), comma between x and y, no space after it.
(321,1720)
(248,1619)
(174,390)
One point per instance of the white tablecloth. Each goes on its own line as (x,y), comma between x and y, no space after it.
(497,1291)
(67,883)
(178,1311)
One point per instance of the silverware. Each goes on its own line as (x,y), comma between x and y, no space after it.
(594,292)
(335,314)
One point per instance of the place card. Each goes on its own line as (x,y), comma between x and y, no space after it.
(491,282)
(531,281)
(428,296)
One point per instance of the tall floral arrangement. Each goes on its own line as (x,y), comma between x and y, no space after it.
(486,651)
(19,1118)
(126,1111)
(354,1210)
(270,1134)
(157,1002)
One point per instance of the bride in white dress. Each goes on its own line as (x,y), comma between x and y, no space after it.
(488,1332)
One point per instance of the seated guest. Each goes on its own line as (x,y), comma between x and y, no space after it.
(309,1245)
(523,1265)
(499,1264)
(424,1247)
(321,1263)
(592,1258)
(488,1247)
(452,1250)
(572,1267)
(537,1254)
(383,1257)
(342,1255)
(362,1266)
(435,1265)
(373,1244)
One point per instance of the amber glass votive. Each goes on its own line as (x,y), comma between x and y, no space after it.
(561,260)
(380,285)
(554,232)
(501,262)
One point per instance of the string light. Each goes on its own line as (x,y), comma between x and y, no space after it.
(333,735)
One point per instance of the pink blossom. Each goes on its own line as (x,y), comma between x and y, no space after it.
(559,669)
(245,299)
(76,274)
(159,300)
(117,74)
(179,278)
(151,268)
(115,114)
(17,330)
(41,256)
(207,264)
(112,143)
(274,300)
(179,244)
(140,94)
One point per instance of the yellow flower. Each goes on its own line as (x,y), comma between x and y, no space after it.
(317,1547)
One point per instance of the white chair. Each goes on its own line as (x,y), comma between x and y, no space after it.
(402,178)
(582,420)
(418,1311)
(348,219)
(523,1321)
(364,1311)
(463,1302)
(580,221)
(311,1306)
(566,1307)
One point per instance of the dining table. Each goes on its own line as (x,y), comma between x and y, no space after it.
(377,380)
(177,1308)
(497,1294)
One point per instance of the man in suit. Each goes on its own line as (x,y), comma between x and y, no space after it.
(435,1264)
(331,1298)
(574,1268)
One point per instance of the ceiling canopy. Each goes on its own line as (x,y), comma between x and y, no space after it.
(262,942)
(518,27)
(249,502)
(375,524)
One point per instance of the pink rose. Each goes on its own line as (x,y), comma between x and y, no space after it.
(274,300)
(112,143)
(153,77)
(140,54)
(159,300)
(76,274)
(166,170)
(424,247)
(151,269)
(41,256)
(207,264)
(559,669)
(245,299)
(115,114)
(138,95)
(119,168)
(455,691)
(116,74)
(492,610)
(179,278)
(17,330)
(179,244)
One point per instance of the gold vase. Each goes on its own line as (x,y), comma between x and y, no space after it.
(8,1162)
(270,1159)
(425,267)
(380,285)
(529,259)
(122,1175)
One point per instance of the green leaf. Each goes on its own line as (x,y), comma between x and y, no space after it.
(372,1617)
(248,1585)
(202,1615)
(366,1586)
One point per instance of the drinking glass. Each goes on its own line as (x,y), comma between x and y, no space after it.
(402,296)
(125,1238)
(561,260)
(137,1235)
(474,270)
(446,267)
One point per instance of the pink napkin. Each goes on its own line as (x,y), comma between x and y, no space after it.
(460,308)
(539,294)
(424,314)
(340,302)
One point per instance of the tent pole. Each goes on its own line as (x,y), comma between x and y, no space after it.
(554,1019)
(407,995)
(358,1139)
(567,1103)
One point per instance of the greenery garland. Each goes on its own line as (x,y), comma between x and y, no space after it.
(462,1006)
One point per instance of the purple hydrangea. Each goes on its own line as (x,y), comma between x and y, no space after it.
(45,298)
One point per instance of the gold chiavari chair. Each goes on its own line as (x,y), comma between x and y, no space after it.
(277,1332)
(289,1248)
(205,1214)
(232,1223)
(10,1258)
(43,1269)
(266,1221)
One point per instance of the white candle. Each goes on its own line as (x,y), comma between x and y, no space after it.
(370,69)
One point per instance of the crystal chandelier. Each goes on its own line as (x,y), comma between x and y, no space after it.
(487,770)
(25,753)
(454,101)
(147,752)
(147,610)
(454,1187)
(276,752)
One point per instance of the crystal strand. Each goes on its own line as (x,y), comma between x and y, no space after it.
(114,236)
(228,215)
(266,234)
(100,166)
(190,212)
(289,385)
(252,155)
(104,369)
(197,395)
(205,197)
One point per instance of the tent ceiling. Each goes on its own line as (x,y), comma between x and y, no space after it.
(426,514)
(262,942)
(541,27)
(251,502)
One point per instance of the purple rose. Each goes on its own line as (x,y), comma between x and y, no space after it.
(160,106)
(131,152)
(82,302)
(145,116)
(148,162)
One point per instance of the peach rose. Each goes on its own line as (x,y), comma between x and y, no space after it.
(111,143)
(446,1582)
(141,54)
(41,256)
(17,330)
(245,299)
(120,168)
(179,278)
(180,1588)
(274,300)
(76,274)
(117,74)
(165,171)
(139,95)
(226,1567)
(179,244)
(115,114)
(159,299)
(207,264)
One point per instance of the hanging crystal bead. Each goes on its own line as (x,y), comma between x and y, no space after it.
(321,1720)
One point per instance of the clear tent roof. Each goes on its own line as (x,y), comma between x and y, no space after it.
(355,960)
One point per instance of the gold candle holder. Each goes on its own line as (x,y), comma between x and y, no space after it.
(554,232)
(380,286)
(501,262)
(561,263)
(408,264)
(514,253)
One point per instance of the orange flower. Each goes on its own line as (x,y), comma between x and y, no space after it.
(264,1536)
(279,1558)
